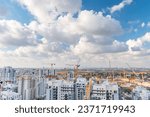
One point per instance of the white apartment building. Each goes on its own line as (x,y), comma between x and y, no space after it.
(80,87)
(60,90)
(68,91)
(105,91)
(10,87)
(9,92)
(7,74)
(46,71)
(10,95)
(70,75)
(140,93)
(40,88)
(26,87)
(53,90)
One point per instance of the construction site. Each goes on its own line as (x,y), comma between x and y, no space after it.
(75,83)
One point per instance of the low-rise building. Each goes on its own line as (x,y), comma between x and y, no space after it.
(60,90)
(140,93)
(105,91)
(10,95)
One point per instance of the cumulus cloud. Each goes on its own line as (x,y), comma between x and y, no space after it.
(69,30)
(14,34)
(59,35)
(137,46)
(46,11)
(143,24)
(91,23)
(88,46)
(120,5)
(97,24)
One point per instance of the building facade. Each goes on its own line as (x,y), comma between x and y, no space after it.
(140,93)
(8,74)
(80,88)
(26,87)
(105,91)
(60,90)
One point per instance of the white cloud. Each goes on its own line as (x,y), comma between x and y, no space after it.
(14,34)
(88,46)
(120,5)
(134,44)
(134,22)
(62,39)
(137,46)
(68,29)
(97,24)
(143,24)
(88,36)
(135,30)
(46,11)
(148,24)
(89,22)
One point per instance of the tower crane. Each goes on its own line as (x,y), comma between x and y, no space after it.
(131,69)
(111,72)
(76,70)
(132,72)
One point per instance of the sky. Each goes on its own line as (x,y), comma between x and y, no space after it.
(92,33)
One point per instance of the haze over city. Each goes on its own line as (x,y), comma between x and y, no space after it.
(35,33)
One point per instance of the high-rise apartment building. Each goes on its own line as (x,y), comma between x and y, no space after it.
(26,87)
(7,74)
(40,86)
(80,88)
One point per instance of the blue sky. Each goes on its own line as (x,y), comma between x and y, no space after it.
(68,34)
(15,11)
(137,13)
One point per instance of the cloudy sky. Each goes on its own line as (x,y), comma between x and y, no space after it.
(35,33)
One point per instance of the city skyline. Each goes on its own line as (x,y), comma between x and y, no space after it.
(46,84)
(91,33)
